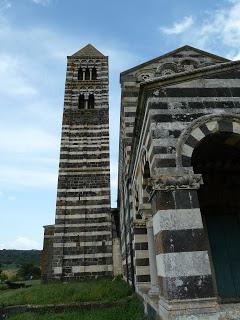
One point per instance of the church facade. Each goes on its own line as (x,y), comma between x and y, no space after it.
(178,184)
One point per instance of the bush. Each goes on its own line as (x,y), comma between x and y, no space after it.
(3,276)
(29,271)
(3,287)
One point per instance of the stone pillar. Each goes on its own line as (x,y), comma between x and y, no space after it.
(90,70)
(86,100)
(183,265)
(154,290)
(83,73)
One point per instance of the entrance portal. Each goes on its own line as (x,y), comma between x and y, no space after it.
(217,158)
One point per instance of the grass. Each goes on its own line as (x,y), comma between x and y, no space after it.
(102,289)
(132,310)
(3,287)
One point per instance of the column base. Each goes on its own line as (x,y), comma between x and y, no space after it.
(196,309)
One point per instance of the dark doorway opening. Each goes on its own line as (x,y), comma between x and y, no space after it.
(217,158)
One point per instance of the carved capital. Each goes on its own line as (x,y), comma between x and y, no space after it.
(138,223)
(188,181)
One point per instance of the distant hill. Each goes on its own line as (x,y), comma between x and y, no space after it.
(19,257)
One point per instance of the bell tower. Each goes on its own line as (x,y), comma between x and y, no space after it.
(82,243)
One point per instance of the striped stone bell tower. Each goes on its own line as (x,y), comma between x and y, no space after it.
(82,244)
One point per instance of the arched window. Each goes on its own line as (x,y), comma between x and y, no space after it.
(146,171)
(94,73)
(91,101)
(81,101)
(87,74)
(80,74)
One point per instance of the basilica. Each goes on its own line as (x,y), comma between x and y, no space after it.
(175,235)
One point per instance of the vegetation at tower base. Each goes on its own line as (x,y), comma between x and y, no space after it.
(102,289)
(131,311)
(103,298)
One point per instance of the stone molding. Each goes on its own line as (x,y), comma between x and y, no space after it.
(165,183)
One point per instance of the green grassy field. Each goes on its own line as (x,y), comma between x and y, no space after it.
(131,311)
(104,290)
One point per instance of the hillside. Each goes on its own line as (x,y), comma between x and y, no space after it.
(19,257)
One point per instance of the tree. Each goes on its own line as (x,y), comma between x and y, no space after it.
(29,271)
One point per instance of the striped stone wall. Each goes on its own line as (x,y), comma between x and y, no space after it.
(174,114)
(183,59)
(83,226)
(47,252)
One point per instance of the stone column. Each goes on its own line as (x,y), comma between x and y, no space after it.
(83,73)
(86,96)
(154,290)
(90,70)
(183,265)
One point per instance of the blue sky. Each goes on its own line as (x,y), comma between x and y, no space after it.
(35,37)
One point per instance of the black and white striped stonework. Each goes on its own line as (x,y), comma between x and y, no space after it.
(208,126)
(161,153)
(181,246)
(175,114)
(141,255)
(176,106)
(83,226)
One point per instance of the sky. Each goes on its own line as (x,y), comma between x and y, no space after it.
(35,38)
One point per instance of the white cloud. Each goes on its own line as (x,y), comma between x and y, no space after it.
(41,2)
(11,198)
(5,4)
(217,31)
(38,178)
(27,140)
(179,27)
(21,243)
(223,25)
(13,82)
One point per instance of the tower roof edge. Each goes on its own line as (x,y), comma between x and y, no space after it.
(88,51)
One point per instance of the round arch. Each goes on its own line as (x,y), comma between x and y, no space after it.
(217,159)
(201,128)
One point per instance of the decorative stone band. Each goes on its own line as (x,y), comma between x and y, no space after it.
(164,182)
(201,128)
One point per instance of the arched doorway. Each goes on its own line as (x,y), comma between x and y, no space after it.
(217,158)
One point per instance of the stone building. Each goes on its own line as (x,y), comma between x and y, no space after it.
(178,183)
(178,194)
(81,241)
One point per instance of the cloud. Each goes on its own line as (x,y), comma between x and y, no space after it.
(41,2)
(179,27)
(5,4)
(13,176)
(21,243)
(218,30)
(12,72)
(11,198)
(27,140)
(223,25)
